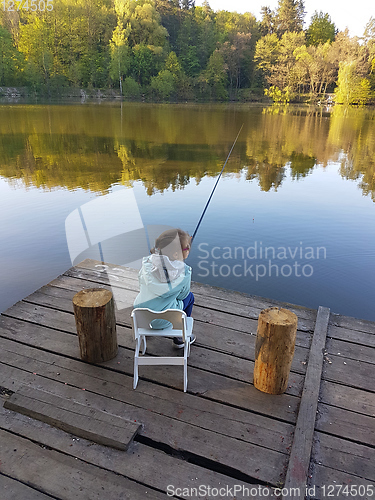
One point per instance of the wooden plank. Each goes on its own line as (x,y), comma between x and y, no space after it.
(73,417)
(214,336)
(214,361)
(62,476)
(201,358)
(14,490)
(143,464)
(44,316)
(234,422)
(70,371)
(239,344)
(346,424)
(359,325)
(38,336)
(296,476)
(326,482)
(349,335)
(346,349)
(349,398)
(344,455)
(260,463)
(349,372)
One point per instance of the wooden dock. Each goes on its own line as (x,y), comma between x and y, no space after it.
(221,439)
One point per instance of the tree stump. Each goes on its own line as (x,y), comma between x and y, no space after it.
(274,349)
(94,313)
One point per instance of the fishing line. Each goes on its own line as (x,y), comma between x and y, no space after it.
(212,192)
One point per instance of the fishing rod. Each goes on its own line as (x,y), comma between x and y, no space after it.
(212,192)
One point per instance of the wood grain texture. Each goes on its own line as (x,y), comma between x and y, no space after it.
(274,350)
(94,313)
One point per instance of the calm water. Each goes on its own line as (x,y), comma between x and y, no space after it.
(293,218)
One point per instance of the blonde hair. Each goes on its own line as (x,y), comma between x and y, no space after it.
(171,241)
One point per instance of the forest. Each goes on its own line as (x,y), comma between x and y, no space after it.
(172,50)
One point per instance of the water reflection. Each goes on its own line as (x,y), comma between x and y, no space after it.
(92,147)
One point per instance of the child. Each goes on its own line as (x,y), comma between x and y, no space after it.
(165,279)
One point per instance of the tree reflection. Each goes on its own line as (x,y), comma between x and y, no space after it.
(166,147)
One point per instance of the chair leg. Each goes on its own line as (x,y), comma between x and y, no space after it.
(136,355)
(135,380)
(143,338)
(186,354)
(185,375)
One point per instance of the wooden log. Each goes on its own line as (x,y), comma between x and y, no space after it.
(274,349)
(94,314)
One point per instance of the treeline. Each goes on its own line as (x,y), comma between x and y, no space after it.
(171,49)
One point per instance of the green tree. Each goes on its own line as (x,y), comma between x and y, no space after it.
(278,96)
(267,53)
(207,36)
(171,17)
(35,43)
(277,61)
(213,79)
(146,36)
(10,60)
(369,38)
(234,54)
(142,21)
(164,84)
(120,54)
(170,79)
(316,66)
(238,34)
(267,22)
(351,87)
(321,29)
(349,50)
(173,65)
(131,88)
(187,50)
(146,63)
(289,16)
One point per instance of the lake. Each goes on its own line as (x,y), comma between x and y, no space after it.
(292,218)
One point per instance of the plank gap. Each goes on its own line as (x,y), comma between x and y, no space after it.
(354,441)
(20,489)
(199,460)
(347,384)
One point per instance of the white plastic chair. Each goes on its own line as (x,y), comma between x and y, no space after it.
(182,326)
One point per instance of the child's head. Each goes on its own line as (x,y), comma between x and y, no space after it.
(174,243)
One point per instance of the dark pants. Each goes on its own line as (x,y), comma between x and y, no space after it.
(188,304)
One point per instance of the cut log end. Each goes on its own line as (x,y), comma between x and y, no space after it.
(278,316)
(92,297)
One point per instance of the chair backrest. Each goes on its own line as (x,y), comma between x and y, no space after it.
(142,318)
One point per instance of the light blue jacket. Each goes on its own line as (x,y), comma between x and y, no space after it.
(163,285)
